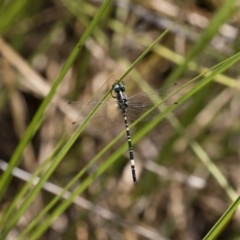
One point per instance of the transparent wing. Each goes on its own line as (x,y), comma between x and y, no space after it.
(155,94)
(141,103)
(136,111)
(107,116)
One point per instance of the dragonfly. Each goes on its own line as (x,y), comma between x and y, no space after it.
(126,109)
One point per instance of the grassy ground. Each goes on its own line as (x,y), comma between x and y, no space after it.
(61,182)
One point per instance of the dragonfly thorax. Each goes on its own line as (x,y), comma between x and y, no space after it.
(121,97)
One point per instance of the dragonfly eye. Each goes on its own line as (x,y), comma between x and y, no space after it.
(117,87)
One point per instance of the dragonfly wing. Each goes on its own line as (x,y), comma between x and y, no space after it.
(139,104)
(160,93)
(107,116)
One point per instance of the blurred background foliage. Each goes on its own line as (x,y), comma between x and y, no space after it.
(185,184)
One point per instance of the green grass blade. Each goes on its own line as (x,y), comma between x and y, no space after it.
(222,222)
(225,12)
(143,55)
(171,55)
(69,185)
(38,116)
(11,209)
(10,14)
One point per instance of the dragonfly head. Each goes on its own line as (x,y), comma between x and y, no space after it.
(117,87)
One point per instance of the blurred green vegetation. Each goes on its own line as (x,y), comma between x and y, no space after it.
(76,183)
